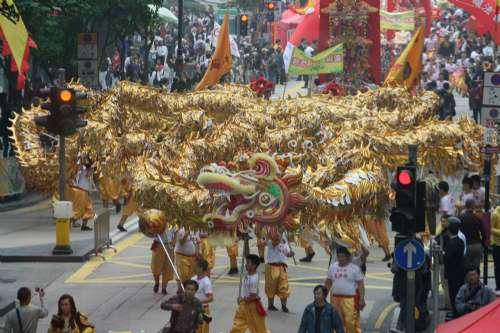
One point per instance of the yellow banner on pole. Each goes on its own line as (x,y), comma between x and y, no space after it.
(221,61)
(14,31)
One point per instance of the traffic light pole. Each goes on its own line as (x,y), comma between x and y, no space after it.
(62,167)
(410,274)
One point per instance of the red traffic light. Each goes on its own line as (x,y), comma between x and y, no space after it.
(404,178)
(270,5)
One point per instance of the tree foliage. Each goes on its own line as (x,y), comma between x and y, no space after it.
(56,32)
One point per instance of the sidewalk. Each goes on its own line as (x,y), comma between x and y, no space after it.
(28,235)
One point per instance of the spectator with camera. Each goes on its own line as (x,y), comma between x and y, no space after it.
(68,319)
(186,310)
(473,294)
(24,318)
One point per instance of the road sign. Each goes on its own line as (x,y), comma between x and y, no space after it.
(87,46)
(490,150)
(88,74)
(409,254)
(491,89)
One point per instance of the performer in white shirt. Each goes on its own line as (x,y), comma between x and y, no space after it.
(446,203)
(185,254)
(250,313)
(205,292)
(79,195)
(345,280)
(276,272)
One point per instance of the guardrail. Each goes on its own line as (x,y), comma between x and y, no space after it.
(102,240)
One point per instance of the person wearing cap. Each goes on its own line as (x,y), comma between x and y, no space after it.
(346,282)
(454,270)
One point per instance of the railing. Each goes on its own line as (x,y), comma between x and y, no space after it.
(102,240)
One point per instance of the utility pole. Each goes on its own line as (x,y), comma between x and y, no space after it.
(487,175)
(61,82)
(180,15)
(436,253)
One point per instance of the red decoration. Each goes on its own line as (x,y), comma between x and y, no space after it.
(262,86)
(21,78)
(335,89)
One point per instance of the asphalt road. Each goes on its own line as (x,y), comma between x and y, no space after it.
(117,292)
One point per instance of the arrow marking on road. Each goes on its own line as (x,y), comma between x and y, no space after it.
(410,250)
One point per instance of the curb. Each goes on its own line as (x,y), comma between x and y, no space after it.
(132,226)
(23,201)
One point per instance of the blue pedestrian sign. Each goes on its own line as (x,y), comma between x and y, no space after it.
(409,254)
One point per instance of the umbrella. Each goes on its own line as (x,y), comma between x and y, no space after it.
(164,13)
(484,320)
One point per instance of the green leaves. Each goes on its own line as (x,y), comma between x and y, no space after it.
(56,35)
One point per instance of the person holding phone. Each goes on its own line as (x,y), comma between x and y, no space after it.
(24,318)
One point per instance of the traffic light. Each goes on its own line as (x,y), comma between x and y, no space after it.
(270,5)
(404,215)
(243,24)
(64,113)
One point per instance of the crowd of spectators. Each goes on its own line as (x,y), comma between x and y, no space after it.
(253,56)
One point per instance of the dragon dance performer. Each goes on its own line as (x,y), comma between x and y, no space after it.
(130,204)
(109,188)
(276,273)
(185,254)
(376,227)
(346,282)
(207,251)
(232,252)
(79,195)
(250,313)
(204,293)
(160,265)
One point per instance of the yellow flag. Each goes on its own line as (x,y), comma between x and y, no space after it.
(406,70)
(221,61)
(14,31)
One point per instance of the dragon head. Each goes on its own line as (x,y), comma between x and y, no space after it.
(256,196)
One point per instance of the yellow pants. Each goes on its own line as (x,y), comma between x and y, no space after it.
(109,189)
(207,252)
(377,229)
(204,327)
(261,245)
(160,265)
(82,204)
(185,266)
(232,252)
(247,317)
(130,207)
(277,282)
(348,313)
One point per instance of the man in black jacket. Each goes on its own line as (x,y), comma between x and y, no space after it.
(454,270)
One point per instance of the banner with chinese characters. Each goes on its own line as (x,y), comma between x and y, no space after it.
(329,61)
(397,21)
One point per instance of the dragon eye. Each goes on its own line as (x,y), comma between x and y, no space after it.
(266,199)
(292,144)
(210,224)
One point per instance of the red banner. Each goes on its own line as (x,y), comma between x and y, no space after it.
(484,11)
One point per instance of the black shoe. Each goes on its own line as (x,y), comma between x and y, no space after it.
(305,259)
(262,260)
(311,256)
(284,309)
(85,228)
(118,208)
(233,271)
(272,308)
(164,291)
(155,288)
(386,258)
(121,228)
